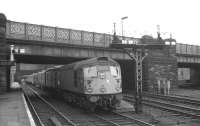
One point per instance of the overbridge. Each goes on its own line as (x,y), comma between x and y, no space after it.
(59,42)
(38,44)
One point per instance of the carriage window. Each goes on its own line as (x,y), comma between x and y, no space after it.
(114,71)
(90,71)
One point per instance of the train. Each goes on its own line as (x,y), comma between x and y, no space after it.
(90,83)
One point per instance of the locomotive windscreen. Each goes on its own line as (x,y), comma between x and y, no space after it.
(103,68)
(90,71)
(93,71)
(114,71)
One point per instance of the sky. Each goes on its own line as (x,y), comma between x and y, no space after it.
(178,17)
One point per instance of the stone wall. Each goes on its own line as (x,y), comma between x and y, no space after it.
(4,57)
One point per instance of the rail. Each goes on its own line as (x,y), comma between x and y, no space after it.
(166,105)
(119,119)
(46,107)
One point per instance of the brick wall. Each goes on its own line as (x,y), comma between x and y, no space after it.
(4,55)
(161,64)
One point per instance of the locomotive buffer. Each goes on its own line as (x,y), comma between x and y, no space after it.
(136,52)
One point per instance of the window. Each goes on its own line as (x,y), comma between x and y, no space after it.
(90,71)
(114,71)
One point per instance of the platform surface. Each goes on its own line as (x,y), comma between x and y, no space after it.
(12,109)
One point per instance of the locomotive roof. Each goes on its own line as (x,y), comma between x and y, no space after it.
(93,60)
(83,63)
(54,68)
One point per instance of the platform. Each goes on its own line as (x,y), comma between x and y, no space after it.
(14,110)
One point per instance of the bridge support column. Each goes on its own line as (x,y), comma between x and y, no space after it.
(195,76)
(4,57)
(160,70)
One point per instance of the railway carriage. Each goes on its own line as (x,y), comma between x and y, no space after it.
(39,78)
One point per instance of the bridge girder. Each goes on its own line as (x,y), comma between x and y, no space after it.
(61,51)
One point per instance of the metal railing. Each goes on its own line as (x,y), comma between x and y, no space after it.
(187,49)
(25,31)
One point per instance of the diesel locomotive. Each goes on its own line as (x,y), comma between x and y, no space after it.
(90,83)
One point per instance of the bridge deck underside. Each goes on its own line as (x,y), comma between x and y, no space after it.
(36,59)
(189,78)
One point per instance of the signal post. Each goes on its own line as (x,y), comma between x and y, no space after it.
(137,52)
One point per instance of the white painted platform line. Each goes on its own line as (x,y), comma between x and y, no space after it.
(32,122)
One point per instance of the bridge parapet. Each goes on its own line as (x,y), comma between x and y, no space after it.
(25,31)
(186,49)
(187,53)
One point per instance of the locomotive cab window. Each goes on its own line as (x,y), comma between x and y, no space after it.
(103,68)
(90,71)
(114,71)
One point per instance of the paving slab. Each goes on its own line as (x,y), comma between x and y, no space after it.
(14,110)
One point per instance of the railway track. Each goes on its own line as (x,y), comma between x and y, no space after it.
(98,119)
(167,105)
(45,111)
(177,99)
(119,119)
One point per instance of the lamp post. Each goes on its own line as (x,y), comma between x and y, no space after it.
(123,18)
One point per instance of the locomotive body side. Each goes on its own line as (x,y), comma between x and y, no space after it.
(68,79)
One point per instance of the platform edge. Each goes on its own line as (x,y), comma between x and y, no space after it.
(31,121)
